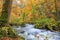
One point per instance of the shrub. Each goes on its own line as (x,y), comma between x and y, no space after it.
(42,22)
(7,31)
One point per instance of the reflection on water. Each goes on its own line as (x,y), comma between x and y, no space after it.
(31,33)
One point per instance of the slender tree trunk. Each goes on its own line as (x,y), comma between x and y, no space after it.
(57,14)
(56,10)
(5,12)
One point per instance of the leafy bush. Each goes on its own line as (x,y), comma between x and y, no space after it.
(42,22)
(7,31)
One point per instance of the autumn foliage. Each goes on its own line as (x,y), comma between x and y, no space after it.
(29,10)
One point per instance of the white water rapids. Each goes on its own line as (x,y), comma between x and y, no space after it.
(31,33)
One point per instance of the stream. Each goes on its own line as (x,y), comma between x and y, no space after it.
(30,33)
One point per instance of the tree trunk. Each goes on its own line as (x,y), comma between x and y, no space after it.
(7,4)
(57,15)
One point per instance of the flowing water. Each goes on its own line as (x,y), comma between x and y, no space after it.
(31,33)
